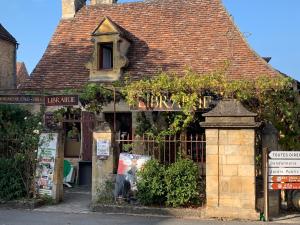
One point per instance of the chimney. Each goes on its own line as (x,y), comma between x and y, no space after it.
(70,7)
(95,2)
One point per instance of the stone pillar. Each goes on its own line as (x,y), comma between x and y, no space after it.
(230,161)
(58,178)
(270,141)
(102,166)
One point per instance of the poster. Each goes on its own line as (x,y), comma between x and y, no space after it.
(46,163)
(103,148)
(128,165)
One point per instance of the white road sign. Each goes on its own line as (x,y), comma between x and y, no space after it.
(284,171)
(273,163)
(285,155)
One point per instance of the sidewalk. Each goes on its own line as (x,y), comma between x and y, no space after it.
(75,200)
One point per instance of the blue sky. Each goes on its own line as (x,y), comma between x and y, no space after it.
(272,28)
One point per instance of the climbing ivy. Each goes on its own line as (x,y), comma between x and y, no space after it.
(272,98)
(94,96)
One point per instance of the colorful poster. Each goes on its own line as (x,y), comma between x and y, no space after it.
(46,163)
(128,165)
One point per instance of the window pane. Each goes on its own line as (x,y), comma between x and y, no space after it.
(107,58)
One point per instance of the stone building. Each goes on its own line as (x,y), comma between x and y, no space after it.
(8,49)
(21,73)
(102,41)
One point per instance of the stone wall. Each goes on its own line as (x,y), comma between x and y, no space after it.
(230,172)
(7,65)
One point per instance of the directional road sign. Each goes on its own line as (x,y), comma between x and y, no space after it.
(284,155)
(284,179)
(273,163)
(284,171)
(284,186)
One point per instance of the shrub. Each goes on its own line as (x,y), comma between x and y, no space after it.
(150,184)
(11,184)
(182,183)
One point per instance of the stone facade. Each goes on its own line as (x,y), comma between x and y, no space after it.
(230,161)
(7,64)
(102,169)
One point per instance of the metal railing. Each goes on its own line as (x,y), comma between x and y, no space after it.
(167,149)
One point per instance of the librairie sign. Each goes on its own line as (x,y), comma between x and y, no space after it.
(165,103)
(51,100)
(284,170)
(61,100)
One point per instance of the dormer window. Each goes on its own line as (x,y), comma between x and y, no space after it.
(110,49)
(105,56)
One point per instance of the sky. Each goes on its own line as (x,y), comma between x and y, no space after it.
(272,28)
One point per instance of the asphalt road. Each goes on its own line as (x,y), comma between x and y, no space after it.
(26,217)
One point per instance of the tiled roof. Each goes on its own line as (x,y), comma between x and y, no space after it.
(22,74)
(5,35)
(169,35)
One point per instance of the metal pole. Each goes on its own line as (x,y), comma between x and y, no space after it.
(266,192)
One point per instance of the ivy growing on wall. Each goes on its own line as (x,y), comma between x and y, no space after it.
(272,98)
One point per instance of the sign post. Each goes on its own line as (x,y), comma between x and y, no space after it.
(266,190)
(283,170)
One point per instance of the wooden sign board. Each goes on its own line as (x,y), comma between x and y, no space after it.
(284,155)
(284,186)
(51,100)
(287,163)
(284,171)
(61,100)
(21,99)
(284,179)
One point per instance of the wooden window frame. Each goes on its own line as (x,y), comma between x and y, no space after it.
(100,55)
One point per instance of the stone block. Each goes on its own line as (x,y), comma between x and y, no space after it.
(211,140)
(212,149)
(248,186)
(246,170)
(248,203)
(212,202)
(212,165)
(239,160)
(224,186)
(212,184)
(229,170)
(235,186)
(211,133)
(234,139)
(232,149)
(248,150)
(230,202)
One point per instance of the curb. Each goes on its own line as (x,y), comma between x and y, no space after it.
(198,213)
(22,204)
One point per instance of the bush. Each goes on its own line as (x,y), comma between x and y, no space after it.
(182,183)
(150,184)
(11,184)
